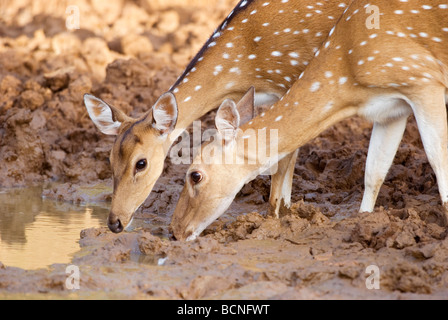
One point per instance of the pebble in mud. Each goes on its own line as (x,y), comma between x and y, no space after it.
(134,45)
(10,88)
(149,244)
(31,100)
(58,79)
(169,21)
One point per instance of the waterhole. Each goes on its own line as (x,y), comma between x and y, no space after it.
(36,232)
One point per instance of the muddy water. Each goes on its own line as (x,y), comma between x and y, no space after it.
(36,232)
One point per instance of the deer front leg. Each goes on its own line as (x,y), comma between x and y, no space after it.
(430,114)
(281,184)
(384,143)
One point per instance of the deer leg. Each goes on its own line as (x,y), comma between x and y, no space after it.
(430,114)
(281,184)
(384,143)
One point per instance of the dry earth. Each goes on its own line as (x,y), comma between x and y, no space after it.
(129,53)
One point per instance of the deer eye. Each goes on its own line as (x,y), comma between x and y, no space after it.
(140,165)
(196,177)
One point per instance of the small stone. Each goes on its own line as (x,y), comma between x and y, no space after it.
(169,21)
(31,100)
(58,79)
(133,44)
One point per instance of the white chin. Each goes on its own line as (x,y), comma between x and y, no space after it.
(192,237)
(129,226)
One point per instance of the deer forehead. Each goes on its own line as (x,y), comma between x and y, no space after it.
(132,139)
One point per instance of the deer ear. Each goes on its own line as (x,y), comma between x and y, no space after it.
(246,106)
(227,120)
(106,118)
(164,113)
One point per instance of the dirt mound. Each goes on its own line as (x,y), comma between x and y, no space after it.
(127,53)
(303,255)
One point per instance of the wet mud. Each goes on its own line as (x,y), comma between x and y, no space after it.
(321,248)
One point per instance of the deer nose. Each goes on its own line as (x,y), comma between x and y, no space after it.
(114,224)
(181,236)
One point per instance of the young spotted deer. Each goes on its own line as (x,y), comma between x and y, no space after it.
(262,43)
(382,74)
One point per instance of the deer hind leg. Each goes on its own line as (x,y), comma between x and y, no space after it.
(281,184)
(384,143)
(430,114)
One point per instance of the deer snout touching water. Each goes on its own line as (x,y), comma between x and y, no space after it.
(383,74)
(138,153)
(265,44)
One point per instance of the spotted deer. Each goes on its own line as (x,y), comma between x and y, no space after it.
(262,43)
(382,74)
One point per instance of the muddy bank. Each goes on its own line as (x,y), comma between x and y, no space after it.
(303,255)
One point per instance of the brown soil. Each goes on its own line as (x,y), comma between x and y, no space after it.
(131,53)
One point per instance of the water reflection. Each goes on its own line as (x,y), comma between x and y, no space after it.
(36,232)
